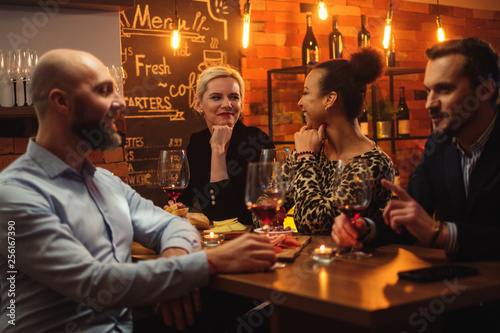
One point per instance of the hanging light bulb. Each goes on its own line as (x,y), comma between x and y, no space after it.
(322,12)
(175,40)
(440,31)
(246,24)
(387,32)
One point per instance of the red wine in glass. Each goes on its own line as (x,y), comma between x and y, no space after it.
(353,212)
(353,187)
(173,172)
(173,192)
(264,191)
(265,212)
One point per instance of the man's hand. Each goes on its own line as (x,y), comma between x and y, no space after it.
(407,213)
(247,253)
(172,202)
(180,310)
(345,233)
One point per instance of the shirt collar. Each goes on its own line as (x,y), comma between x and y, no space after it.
(481,141)
(52,164)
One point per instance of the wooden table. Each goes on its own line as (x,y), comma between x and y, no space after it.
(362,295)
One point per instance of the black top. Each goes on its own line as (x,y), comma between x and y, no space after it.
(438,185)
(224,199)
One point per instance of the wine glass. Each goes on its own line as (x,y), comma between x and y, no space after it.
(3,71)
(279,155)
(353,187)
(25,71)
(33,62)
(264,191)
(173,172)
(13,67)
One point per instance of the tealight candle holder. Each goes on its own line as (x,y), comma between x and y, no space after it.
(323,254)
(211,239)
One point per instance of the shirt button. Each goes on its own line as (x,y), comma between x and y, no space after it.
(212,197)
(213,203)
(211,191)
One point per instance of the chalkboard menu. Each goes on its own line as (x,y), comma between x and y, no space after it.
(160,83)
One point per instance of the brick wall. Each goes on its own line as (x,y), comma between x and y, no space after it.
(277,31)
(114,161)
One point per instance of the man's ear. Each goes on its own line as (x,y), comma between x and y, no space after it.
(330,99)
(486,89)
(59,101)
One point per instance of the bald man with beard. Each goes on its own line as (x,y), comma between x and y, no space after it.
(70,225)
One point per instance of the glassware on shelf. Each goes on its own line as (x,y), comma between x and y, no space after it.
(335,41)
(363,123)
(13,68)
(363,34)
(391,53)
(403,115)
(310,49)
(3,78)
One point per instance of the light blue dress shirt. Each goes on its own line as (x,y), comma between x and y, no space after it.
(69,248)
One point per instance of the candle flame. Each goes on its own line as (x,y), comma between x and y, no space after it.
(322,248)
(211,234)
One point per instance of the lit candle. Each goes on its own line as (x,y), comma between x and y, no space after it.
(323,253)
(211,239)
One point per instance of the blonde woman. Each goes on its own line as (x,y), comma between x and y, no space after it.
(218,156)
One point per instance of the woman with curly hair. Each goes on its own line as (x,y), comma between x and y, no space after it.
(332,101)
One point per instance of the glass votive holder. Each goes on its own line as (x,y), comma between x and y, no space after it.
(212,239)
(323,254)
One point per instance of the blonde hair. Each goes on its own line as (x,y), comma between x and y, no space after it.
(216,72)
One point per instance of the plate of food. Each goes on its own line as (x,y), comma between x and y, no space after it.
(275,230)
(229,225)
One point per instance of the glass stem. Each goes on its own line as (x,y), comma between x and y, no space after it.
(25,93)
(14,83)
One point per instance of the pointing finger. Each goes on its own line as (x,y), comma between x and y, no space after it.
(401,193)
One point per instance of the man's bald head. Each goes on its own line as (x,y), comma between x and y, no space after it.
(62,69)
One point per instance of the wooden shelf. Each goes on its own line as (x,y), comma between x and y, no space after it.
(403,71)
(17,112)
(104,5)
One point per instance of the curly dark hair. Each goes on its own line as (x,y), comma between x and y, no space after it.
(349,78)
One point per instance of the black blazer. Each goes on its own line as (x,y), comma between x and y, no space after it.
(439,187)
(227,199)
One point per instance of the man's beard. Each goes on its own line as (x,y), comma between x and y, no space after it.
(94,132)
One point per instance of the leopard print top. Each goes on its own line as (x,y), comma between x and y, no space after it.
(313,195)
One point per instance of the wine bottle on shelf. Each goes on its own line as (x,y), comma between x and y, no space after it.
(363,34)
(310,50)
(335,40)
(391,53)
(403,116)
(363,123)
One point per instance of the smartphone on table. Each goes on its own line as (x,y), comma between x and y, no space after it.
(436,273)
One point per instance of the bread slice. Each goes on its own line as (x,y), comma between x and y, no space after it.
(182,212)
(199,220)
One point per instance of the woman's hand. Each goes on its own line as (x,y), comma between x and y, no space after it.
(220,137)
(309,139)
(219,141)
(345,233)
